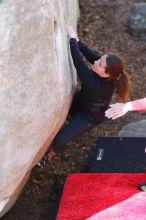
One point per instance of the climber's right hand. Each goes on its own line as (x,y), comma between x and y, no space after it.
(72,33)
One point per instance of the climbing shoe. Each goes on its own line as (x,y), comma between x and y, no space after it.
(43,161)
(142,186)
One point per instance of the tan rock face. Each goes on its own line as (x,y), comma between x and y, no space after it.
(36,85)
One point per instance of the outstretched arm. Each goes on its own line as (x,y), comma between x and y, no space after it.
(138,105)
(90,55)
(119,109)
(82,69)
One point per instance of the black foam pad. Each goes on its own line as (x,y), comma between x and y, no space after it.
(116,154)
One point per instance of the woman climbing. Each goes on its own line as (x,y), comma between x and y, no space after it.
(98,83)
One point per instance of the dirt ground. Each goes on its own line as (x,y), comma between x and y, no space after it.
(102,26)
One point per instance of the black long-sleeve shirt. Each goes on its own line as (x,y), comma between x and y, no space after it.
(96,91)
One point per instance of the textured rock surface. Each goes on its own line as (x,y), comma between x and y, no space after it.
(134,129)
(37,84)
(136,22)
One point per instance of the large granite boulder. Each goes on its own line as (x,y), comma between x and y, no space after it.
(134,129)
(136,22)
(37,85)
